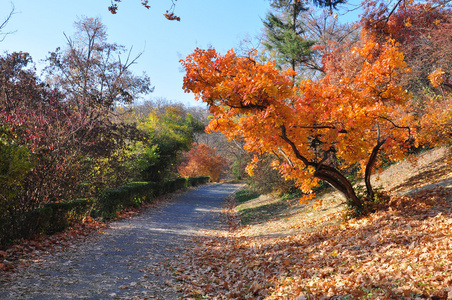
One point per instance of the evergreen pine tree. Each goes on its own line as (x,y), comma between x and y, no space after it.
(285,32)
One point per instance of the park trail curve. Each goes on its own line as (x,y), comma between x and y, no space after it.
(127,260)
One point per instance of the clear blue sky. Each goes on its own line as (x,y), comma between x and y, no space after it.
(39,28)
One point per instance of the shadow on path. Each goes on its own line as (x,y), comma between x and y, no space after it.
(127,260)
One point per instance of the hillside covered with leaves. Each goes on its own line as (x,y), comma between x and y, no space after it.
(285,250)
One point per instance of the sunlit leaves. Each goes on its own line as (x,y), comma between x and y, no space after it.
(437,77)
(306,198)
(422,28)
(435,121)
(335,121)
(169,132)
(202,160)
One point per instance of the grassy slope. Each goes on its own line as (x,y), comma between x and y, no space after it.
(286,250)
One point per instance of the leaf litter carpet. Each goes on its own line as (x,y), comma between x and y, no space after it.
(403,251)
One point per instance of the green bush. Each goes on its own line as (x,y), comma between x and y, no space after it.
(61,215)
(173,185)
(194,181)
(129,195)
(246,195)
(51,218)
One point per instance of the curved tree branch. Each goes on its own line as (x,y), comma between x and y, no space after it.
(294,147)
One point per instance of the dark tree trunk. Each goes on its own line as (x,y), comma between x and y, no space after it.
(369,167)
(338,181)
(328,174)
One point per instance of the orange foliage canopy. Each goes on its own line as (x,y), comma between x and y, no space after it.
(423,29)
(316,129)
(202,160)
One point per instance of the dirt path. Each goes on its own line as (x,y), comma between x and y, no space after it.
(128,260)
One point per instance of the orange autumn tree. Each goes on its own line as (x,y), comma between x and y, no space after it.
(317,129)
(435,117)
(202,160)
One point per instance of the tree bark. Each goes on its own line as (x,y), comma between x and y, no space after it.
(338,181)
(369,167)
(327,173)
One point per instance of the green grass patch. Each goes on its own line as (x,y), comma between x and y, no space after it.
(262,213)
(245,195)
(255,208)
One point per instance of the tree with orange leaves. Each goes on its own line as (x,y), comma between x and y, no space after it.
(202,160)
(316,129)
(423,30)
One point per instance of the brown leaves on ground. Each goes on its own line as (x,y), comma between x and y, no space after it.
(401,252)
(25,252)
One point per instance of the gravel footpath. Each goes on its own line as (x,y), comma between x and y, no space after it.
(126,261)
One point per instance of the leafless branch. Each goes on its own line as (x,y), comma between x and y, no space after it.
(3,35)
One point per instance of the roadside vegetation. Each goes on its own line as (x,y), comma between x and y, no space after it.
(80,140)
